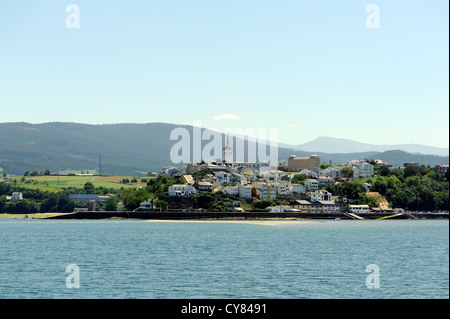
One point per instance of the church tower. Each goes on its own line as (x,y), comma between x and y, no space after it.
(227,153)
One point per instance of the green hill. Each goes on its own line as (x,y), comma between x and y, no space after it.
(126,149)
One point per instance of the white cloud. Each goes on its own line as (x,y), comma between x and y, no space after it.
(226,117)
(289,126)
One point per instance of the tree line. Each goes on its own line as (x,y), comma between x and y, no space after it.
(413,188)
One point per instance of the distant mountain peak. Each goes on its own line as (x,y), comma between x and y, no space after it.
(329,144)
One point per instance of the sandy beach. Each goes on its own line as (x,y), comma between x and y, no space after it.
(274,222)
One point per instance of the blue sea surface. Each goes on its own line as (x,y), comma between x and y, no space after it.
(152,260)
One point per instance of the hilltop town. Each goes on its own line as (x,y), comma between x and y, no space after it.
(302,184)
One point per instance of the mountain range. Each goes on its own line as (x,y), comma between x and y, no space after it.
(133,149)
(340,145)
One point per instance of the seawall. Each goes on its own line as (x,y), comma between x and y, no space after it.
(178,215)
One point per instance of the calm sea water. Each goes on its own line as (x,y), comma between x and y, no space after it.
(141,259)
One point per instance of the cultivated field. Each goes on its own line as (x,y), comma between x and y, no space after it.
(57,183)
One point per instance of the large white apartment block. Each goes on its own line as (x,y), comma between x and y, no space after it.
(361,168)
(245,191)
(182,190)
(312,184)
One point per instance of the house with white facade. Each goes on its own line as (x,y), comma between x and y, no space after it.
(245,191)
(231,190)
(236,178)
(17,196)
(282,187)
(320,195)
(146,205)
(324,180)
(316,207)
(224,177)
(182,190)
(333,172)
(312,184)
(204,186)
(297,188)
(328,207)
(358,209)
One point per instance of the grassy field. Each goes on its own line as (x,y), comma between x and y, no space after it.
(55,183)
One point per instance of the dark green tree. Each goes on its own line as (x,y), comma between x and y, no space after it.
(111,203)
(384,171)
(132,197)
(49,204)
(203,200)
(89,188)
(347,172)
(299,179)
(161,204)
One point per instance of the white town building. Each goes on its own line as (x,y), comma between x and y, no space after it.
(298,188)
(361,168)
(312,184)
(182,190)
(245,191)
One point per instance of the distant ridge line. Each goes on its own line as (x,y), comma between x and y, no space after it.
(129,149)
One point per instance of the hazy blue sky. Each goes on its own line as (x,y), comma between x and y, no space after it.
(308,68)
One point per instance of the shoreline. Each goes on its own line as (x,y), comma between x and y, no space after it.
(223,216)
(263,222)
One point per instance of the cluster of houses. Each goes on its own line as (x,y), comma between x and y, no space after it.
(257,180)
(247,184)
